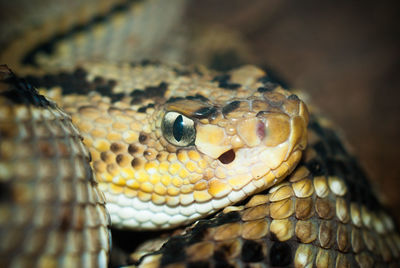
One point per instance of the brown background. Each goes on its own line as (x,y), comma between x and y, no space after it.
(345,54)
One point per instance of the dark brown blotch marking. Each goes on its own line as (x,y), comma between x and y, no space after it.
(70,82)
(119,159)
(223,78)
(98,80)
(198,97)
(316,167)
(229,248)
(220,257)
(264,89)
(252,251)
(280,254)
(144,108)
(132,149)
(104,156)
(173,253)
(76,83)
(162,156)
(156,92)
(230,86)
(135,162)
(322,148)
(112,83)
(223,82)
(137,93)
(48,46)
(205,112)
(230,107)
(104,87)
(22,96)
(20,91)
(142,138)
(174,99)
(115,147)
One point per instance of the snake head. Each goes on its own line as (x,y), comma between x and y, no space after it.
(208,143)
(249,143)
(233,147)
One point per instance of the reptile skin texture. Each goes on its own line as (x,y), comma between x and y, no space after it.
(51,209)
(323,215)
(196,168)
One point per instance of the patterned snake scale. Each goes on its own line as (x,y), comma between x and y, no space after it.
(189,166)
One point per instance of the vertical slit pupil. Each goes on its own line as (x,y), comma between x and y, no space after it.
(177,128)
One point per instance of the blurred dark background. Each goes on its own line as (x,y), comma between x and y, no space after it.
(345,54)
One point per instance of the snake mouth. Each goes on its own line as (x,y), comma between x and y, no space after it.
(227,157)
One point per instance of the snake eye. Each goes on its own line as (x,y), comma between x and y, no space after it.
(178,129)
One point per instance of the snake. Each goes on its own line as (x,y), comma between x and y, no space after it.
(175,165)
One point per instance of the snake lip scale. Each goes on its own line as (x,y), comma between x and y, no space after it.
(110,160)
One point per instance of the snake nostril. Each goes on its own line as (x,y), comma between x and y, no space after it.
(227,157)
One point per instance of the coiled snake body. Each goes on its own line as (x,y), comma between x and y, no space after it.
(159,146)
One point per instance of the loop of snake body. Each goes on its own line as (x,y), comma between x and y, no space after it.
(146,146)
